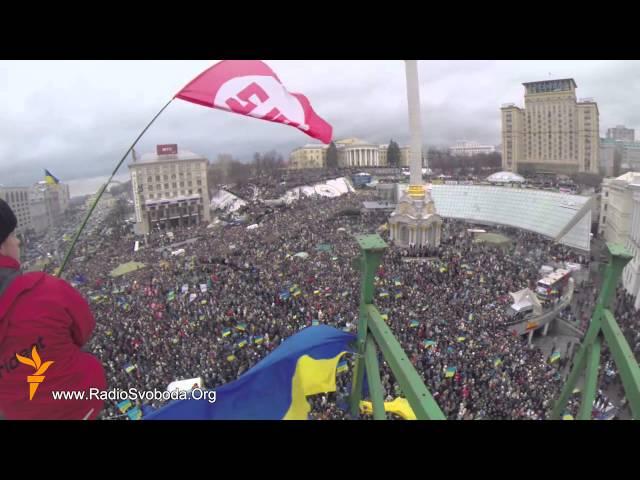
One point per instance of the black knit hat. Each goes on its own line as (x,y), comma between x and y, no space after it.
(8,221)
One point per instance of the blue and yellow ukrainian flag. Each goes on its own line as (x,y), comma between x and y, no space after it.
(50,178)
(124,405)
(277,387)
(226,332)
(555,357)
(258,340)
(135,414)
(241,327)
(451,371)
(242,343)
(414,324)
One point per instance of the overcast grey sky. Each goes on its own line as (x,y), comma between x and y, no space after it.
(77,118)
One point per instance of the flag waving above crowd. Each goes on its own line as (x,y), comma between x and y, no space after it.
(250,87)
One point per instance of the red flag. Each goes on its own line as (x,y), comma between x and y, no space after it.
(249,87)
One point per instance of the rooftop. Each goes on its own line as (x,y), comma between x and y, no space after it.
(152,157)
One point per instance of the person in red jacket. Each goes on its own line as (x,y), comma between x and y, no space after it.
(44,323)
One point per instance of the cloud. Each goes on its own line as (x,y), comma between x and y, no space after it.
(77,118)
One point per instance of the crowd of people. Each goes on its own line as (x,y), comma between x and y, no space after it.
(189,315)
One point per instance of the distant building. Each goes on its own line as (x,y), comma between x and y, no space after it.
(469,149)
(352,153)
(631,273)
(610,153)
(308,156)
(38,207)
(622,134)
(18,200)
(616,207)
(554,132)
(170,189)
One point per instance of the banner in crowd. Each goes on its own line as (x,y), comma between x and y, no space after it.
(276,388)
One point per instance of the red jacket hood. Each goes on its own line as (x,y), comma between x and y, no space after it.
(12,285)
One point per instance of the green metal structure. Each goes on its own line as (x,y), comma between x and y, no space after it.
(374,334)
(603,327)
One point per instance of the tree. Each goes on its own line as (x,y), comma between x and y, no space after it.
(589,179)
(332,156)
(393,154)
(257,161)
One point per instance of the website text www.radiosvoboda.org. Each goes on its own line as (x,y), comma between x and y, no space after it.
(134,394)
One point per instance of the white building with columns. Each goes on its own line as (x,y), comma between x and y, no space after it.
(631,273)
(352,153)
(615,208)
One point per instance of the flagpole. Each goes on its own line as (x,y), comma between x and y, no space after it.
(103,188)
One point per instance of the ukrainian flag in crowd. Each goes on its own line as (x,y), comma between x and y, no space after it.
(451,371)
(429,343)
(400,406)
(242,343)
(414,324)
(554,357)
(129,368)
(231,358)
(226,332)
(124,405)
(277,387)
(135,413)
(258,340)
(461,339)
(241,326)
(50,178)
(497,362)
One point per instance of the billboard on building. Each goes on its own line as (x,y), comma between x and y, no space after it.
(169,149)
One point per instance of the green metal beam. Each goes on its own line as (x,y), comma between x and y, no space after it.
(625,362)
(591,381)
(373,378)
(619,257)
(372,247)
(423,404)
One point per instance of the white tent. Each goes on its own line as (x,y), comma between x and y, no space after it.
(524,299)
(185,385)
(302,255)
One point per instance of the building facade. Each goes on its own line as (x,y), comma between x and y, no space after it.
(553,132)
(18,200)
(309,156)
(170,189)
(352,153)
(469,149)
(610,155)
(631,273)
(38,208)
(615,208)
(622,134)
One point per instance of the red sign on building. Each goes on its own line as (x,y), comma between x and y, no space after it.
(171,149)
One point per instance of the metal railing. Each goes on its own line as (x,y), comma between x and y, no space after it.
(374,334)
